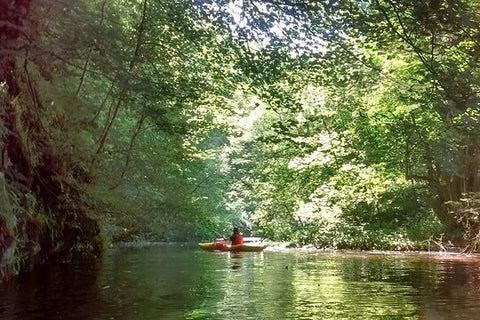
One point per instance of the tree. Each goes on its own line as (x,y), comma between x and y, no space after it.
(418,59)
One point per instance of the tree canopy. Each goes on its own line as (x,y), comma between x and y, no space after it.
(343,124)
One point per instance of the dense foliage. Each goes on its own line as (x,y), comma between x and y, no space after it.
(341,124)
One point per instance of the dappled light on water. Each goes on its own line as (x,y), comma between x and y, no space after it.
(171,282)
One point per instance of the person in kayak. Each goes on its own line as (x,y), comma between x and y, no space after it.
(236,237)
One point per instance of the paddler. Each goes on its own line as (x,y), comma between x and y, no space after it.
(236,237)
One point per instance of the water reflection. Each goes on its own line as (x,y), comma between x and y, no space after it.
(52,292)
(167,282)
(236,259)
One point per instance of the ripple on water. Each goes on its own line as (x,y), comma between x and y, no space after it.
(171,282)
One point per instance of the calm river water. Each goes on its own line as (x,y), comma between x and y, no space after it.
(172,282)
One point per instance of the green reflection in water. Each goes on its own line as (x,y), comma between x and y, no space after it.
(272,286)
(324,293)
(171,282)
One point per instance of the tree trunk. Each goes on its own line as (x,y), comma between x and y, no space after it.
(135,134)
(89,55)
(122,95)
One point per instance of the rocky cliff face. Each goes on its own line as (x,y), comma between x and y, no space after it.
(44,213)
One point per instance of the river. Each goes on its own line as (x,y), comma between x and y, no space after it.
(183,282)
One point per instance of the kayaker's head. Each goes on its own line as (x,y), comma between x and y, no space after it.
(236,230)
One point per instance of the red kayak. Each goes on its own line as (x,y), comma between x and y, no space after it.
(226,246)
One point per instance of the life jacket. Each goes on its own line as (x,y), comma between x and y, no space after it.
(238,239)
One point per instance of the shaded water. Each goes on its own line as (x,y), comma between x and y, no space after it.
(170,282)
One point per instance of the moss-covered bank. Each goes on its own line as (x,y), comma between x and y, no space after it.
(44,213)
